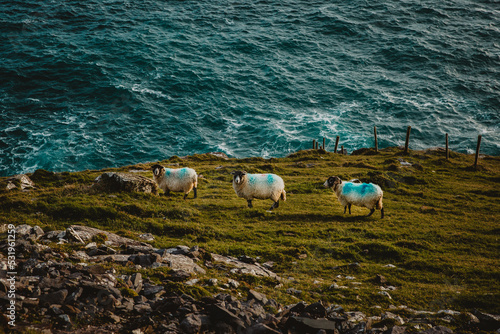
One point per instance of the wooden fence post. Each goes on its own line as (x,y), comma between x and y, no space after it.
(323,143)
(477,150)
(336,144)
(342,149)
(317,144)
(376,141)
(407,143)
(447,149)
(314,144)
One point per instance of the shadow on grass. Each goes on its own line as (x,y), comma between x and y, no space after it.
(322,218)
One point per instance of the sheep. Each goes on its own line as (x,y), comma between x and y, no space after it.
(360,194)
(260,186)
(171,179)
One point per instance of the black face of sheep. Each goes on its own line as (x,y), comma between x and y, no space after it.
(238,176)
(157,169)
(332,182)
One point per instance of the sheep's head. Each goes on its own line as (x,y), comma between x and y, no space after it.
(158,170)
(332,182)
(239,176)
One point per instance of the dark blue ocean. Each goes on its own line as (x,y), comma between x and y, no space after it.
(102,83)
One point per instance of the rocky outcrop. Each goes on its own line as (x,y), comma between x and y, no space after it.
(21,181)
(57,292)
(116,182)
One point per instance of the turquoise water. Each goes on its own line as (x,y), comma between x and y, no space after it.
(103,83)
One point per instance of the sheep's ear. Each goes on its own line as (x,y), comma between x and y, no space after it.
(244,172)
(233,173)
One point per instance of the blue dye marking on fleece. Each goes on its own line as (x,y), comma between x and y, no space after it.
(182,173)
(270,179)
(251,179)
(358,189)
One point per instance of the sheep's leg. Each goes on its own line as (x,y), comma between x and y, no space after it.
(185,196)
(371,212)
(166,192)
(275,205)
(349,208)
(195,193)
(249,201)
(345,209)
(382,213)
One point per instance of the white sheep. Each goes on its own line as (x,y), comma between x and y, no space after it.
(260,186)
(360,194)
(171,179)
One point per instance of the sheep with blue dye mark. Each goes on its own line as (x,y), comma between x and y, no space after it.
(178,180)
(259,186)
(360,194)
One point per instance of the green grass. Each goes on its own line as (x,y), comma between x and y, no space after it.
(441,229)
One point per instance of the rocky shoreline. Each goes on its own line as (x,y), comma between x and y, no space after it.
(67,281)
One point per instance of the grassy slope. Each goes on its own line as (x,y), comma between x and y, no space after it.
(441,229)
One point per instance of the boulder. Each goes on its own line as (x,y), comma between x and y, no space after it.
(86,234)
(244,268)
(308,325)
(488,321)
(57,297)
(182,262)
(20,181)
(192,324)
(438,330)
(118,182)
(25,231)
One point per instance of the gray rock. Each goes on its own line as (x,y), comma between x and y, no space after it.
(117,182)
(305,325)
(147,236)
(142,308)
(57,297)
(136,282)
(113,240)
(389,315)
(182,262)
(488,322)
(29,232)
(244,268)
(252,294)
(292,291)
(317,310)
(118,258)
(153,291)
(220,314)
(261,329)
(65,321)
(53,235)
(18,181)
(178,275)
(396,330)
(437,330)
(72,235)
(233,284)
(80,255)
(73,297)
(178,250)
(191,324)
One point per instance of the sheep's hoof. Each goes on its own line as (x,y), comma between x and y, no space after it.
(371,212)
